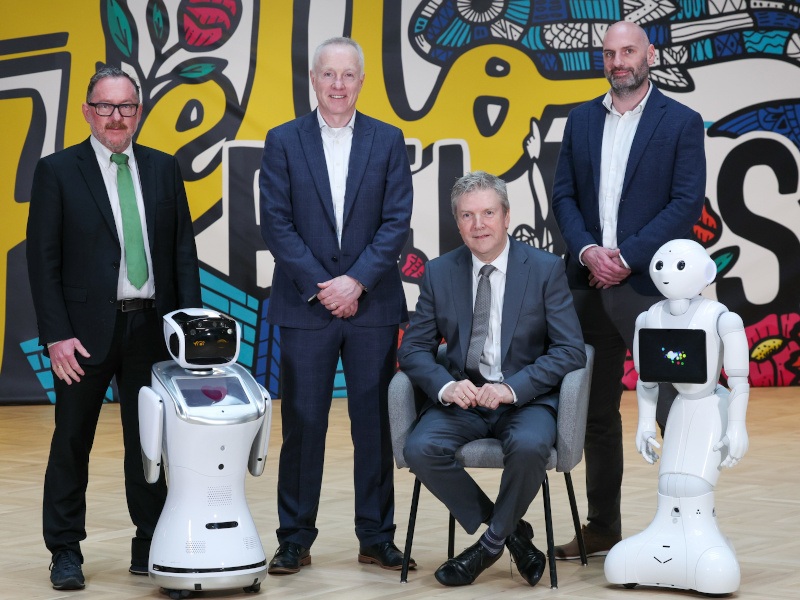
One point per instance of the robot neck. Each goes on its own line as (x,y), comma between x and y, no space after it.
(679,307)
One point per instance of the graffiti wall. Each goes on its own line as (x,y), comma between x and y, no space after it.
(474,84)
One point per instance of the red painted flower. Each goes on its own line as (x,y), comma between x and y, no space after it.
(207,24)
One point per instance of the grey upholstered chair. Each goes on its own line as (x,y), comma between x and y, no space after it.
(486,453)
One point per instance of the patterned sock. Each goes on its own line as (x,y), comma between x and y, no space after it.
(492,542)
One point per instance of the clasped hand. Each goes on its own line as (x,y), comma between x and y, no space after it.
(606,268)
(466,394)
(340,296)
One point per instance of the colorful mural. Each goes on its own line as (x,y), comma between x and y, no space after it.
(474,84)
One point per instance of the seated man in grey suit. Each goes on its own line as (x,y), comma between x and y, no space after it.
(505,361)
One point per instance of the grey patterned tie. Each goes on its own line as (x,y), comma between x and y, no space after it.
(480,323)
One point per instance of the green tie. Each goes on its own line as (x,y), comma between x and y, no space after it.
(135,258)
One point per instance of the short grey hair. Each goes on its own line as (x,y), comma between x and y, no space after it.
(475,181)
(109,71)
(338,41)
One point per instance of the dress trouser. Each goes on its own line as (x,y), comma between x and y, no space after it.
(308,367)
(608,321)
(137,343)
(526,433)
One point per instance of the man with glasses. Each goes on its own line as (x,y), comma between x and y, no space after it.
(110,250)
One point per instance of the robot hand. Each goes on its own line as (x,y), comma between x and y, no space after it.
(737,442)
(646,440)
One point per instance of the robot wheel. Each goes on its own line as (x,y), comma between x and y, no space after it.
(252,589)
(177,594)
(629,586)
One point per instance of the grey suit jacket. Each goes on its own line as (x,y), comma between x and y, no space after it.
(541,339)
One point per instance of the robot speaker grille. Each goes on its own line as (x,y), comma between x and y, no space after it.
(251,542)
(220,495)
(195,547)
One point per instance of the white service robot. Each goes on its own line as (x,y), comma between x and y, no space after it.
(686,340)
(208,419)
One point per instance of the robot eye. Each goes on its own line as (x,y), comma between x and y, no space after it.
(681,265)
(659,265)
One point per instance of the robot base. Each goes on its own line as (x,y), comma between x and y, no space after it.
(682,548)
(182,586)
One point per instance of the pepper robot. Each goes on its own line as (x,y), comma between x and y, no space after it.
(683,547)
(207,419)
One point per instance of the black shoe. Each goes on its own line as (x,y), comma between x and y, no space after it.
(288,559)
(529,559)
(65,571)
(385,554)
(465,568)
(140,556)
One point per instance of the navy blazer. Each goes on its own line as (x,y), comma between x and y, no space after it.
(540,337)
(299,227)
(662,193)
(74,252)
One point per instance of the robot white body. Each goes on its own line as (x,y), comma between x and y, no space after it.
(683,546)
(208,427)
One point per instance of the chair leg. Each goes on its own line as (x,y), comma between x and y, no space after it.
(548,523)
(412,521)
(576,520)
(451,537)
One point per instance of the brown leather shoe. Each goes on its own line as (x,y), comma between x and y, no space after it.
(596,544)
(385,554)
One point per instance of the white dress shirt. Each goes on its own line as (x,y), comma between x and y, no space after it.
(618,133)
(125,289)
(490,365)
(337,142)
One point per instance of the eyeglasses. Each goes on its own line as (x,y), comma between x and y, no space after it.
(104,109)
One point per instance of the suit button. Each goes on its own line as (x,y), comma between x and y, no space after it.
(335,258)
(115,265)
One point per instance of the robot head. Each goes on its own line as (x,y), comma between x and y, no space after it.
(682,269)
(198,338)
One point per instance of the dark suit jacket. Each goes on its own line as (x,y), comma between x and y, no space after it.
(540,336)
(662,194)
(299,227)
(74,252)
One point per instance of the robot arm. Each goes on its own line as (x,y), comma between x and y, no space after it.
(647,396)
(151,428)
(258,451)
(736,362)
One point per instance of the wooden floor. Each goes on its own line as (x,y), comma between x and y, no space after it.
(758,508)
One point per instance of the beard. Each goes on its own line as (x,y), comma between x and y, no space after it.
(631,82)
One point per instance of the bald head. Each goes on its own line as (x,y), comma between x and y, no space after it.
(627,57)
(628,29)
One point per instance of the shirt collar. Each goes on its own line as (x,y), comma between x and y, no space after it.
(105,154)
(639,108)
(335,130)
(500,263)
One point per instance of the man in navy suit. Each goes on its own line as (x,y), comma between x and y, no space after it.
(336,199)
(97,320)
(510,388)
(631,176)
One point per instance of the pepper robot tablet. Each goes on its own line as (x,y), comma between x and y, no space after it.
(207,419)
(683,547)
